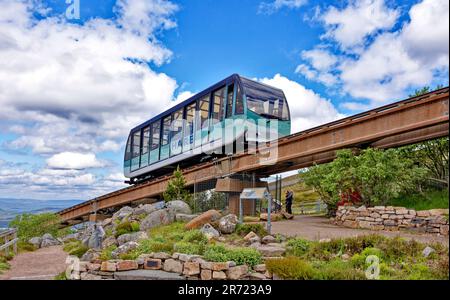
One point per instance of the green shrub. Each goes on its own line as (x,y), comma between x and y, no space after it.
(359,259)
(24,246)
(297,246)
(4,265)
(195,236)
(75,248)
(240,256)
(127,227)
(398,248)
(290,268)
(154,245)
(106,253)
(216,253)
(189,248)
(31,225)
(338,269)
(243,229)
(60,276)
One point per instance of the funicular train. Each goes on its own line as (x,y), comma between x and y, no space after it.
(211,123)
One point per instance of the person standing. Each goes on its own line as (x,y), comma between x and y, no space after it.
(289,199)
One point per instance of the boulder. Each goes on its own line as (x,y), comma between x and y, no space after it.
(227,224)
(209,231)
(219,275)
(184,217)
(172,265)
(205,274)
(238,272)
(269,239)
(178,207)
(122,213)
(157,218)
(90,255)
(250,235)
(48,240)
(96,239)
(427,251)
(191,268)
(206,217)
(271,251)
(35,241)
(287,215)
(125,248)
(148,208)
(126,265)
(72,236)
(273,217)
(109,241)
(106,222)
(132,237)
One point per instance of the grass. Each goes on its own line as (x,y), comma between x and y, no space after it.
(4,265)
(423,201)
(75,248)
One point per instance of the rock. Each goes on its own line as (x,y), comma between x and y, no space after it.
(250,235)
(107,222)
(125,248)
(147,209)
(427,251)
(238,272)
(35,241)
(444,230)
(273,217)
(153,264)
(108,266)
(91,277)
(161,255)
(157,218)
(178,207)
(141,258)
(345,256)
(93,267)
(219,266)
(423,213)
(257,276)
(187,257)
(271,250)
(219,275)
(184,217)
(48,240)
(90,255)
(122,213)
(260,268)
(72,236)
(127,265)
(191,268)
(205,274)
(209,231)
(96,239)
(109,241)
(227,224)
(269,239)
(206,217)
(287,215)
(438,212)
(132,237)
(147,275)
(254,240)
(172,265)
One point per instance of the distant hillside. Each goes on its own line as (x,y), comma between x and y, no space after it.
(9,208)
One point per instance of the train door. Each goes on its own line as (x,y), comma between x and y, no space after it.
(144,146)
(217,114)
(165,135)
(201,132)
(136,150)
(176,135)
(189,127)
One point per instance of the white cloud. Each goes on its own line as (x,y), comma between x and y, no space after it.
(358,20)
(307,108)
(275,5)
(73,160)
(384,68)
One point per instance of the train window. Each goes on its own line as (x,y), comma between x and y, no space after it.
(136,143)
(177,123)
(165,131)
(217,112)
(155,135)
(204,111)
(284,110)
(128,150)
(230,101)
(190,117)
(239,105)
(145,139)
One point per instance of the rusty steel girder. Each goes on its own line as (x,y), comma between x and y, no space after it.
(406,122)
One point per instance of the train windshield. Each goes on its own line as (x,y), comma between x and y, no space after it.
(265,100)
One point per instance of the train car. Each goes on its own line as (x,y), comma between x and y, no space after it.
(195,128)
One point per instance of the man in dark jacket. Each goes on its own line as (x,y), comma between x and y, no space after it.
(289,199)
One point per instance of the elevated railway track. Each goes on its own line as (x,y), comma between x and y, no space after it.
(401,123)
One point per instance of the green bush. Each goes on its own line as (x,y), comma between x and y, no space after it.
(107,252)
(127,227)
(290,268)
(359,259)
(75,248)
(240,256)
(297,246)
(189,248)
(216,253)
(24,246)
(4,265)
(30,225)
(243,229)
(338,269)
(195,236)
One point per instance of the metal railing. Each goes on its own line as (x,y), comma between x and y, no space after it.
(312,207)
(8,240)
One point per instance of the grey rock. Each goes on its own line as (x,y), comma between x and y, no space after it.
(184,217)
(35,241)
(123,213)
(96,239)
(269,239)
(157,218)
(147,275)
(90,255)
(48,240)
(209,231)
(132,237)
(427,251)
(178,207)
(72,236)
(109,241)
(271,251)
(227,224)
(125,248)
(147,209)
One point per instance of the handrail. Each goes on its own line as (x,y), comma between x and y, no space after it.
(9,236)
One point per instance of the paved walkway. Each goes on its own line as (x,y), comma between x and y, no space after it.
(44,263)
(316,228)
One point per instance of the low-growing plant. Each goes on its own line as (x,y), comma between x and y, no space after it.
(60,276)
(195,236)
(4,265)
(338,269)
(243,229)
(240,256)
(189,248)
(359,259)
(106,253)
(216,253)
(24,246)
(127,227)
(290,268)
(297,246)
(75,248)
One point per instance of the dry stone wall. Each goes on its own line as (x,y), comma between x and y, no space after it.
(393,218)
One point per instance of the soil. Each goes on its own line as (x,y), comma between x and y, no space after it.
(42,264)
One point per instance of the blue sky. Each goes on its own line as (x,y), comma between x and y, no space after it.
(70,89)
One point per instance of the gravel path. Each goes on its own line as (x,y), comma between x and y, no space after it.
(42,264)
(316,228)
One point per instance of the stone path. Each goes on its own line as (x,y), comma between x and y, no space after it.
(42,264)
(316,228)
